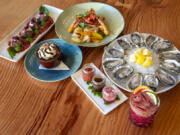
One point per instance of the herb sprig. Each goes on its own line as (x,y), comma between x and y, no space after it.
(99,94)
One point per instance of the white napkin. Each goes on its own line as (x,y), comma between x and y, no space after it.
(61,66)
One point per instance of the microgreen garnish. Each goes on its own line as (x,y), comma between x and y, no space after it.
(29,39)
(17,48)
(106,103)
(80,15)
(11,52)
(44,10)
(36,31)
(82,25)
(43,23)
(88,83)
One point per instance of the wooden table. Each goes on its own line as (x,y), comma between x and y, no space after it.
(28,106)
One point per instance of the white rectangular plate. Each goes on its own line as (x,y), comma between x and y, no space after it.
(99,102)
(61,66)
(53,12)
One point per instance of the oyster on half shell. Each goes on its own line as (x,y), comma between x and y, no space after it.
(165,77)
(114,51)
(137,39)
(135,80)
(150,40)
(111,63)
(162,45)
(151,81)
(122,71)
(123,43)
(171,66)
(174,55)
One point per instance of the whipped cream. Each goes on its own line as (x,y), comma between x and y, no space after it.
(47,51)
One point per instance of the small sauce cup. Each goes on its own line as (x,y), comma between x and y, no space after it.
(98,83)
(88,72)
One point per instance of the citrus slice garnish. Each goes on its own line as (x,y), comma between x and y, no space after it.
(142,88)
(153,96)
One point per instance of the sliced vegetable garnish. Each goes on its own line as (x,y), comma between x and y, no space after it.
(97,36)
(43,23)
(11,52)
(82,25)
(29,39)
(18,48)
(44,10)
(36,31)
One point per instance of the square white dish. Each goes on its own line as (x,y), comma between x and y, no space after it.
(99,102)
(53,12)
(61,66)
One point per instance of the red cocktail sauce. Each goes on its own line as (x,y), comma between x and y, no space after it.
(88,73)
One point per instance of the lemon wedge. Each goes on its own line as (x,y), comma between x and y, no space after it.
(142,88)
(141,58)
(146,52)
(147,62)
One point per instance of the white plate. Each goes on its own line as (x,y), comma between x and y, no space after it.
(53,12)
(105,109)
(122,83)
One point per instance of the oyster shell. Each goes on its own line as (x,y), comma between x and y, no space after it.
(151,81)
(123,43)
(174,55)
(171,65)
(137,39)
(165,77)
(162,45)
(150,40)
(114,51)
(135,81)
(122,71)
(111,63)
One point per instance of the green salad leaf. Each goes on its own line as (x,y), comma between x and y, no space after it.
(11,52)
(44,10)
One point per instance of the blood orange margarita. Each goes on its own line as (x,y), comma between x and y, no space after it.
(144,104)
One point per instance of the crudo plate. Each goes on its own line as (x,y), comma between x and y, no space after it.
(71,57)
(122,82)
(53,12)
(114,22)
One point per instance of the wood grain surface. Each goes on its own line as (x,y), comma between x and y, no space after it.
(31,107)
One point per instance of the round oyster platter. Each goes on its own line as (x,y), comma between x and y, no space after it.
(142,59)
